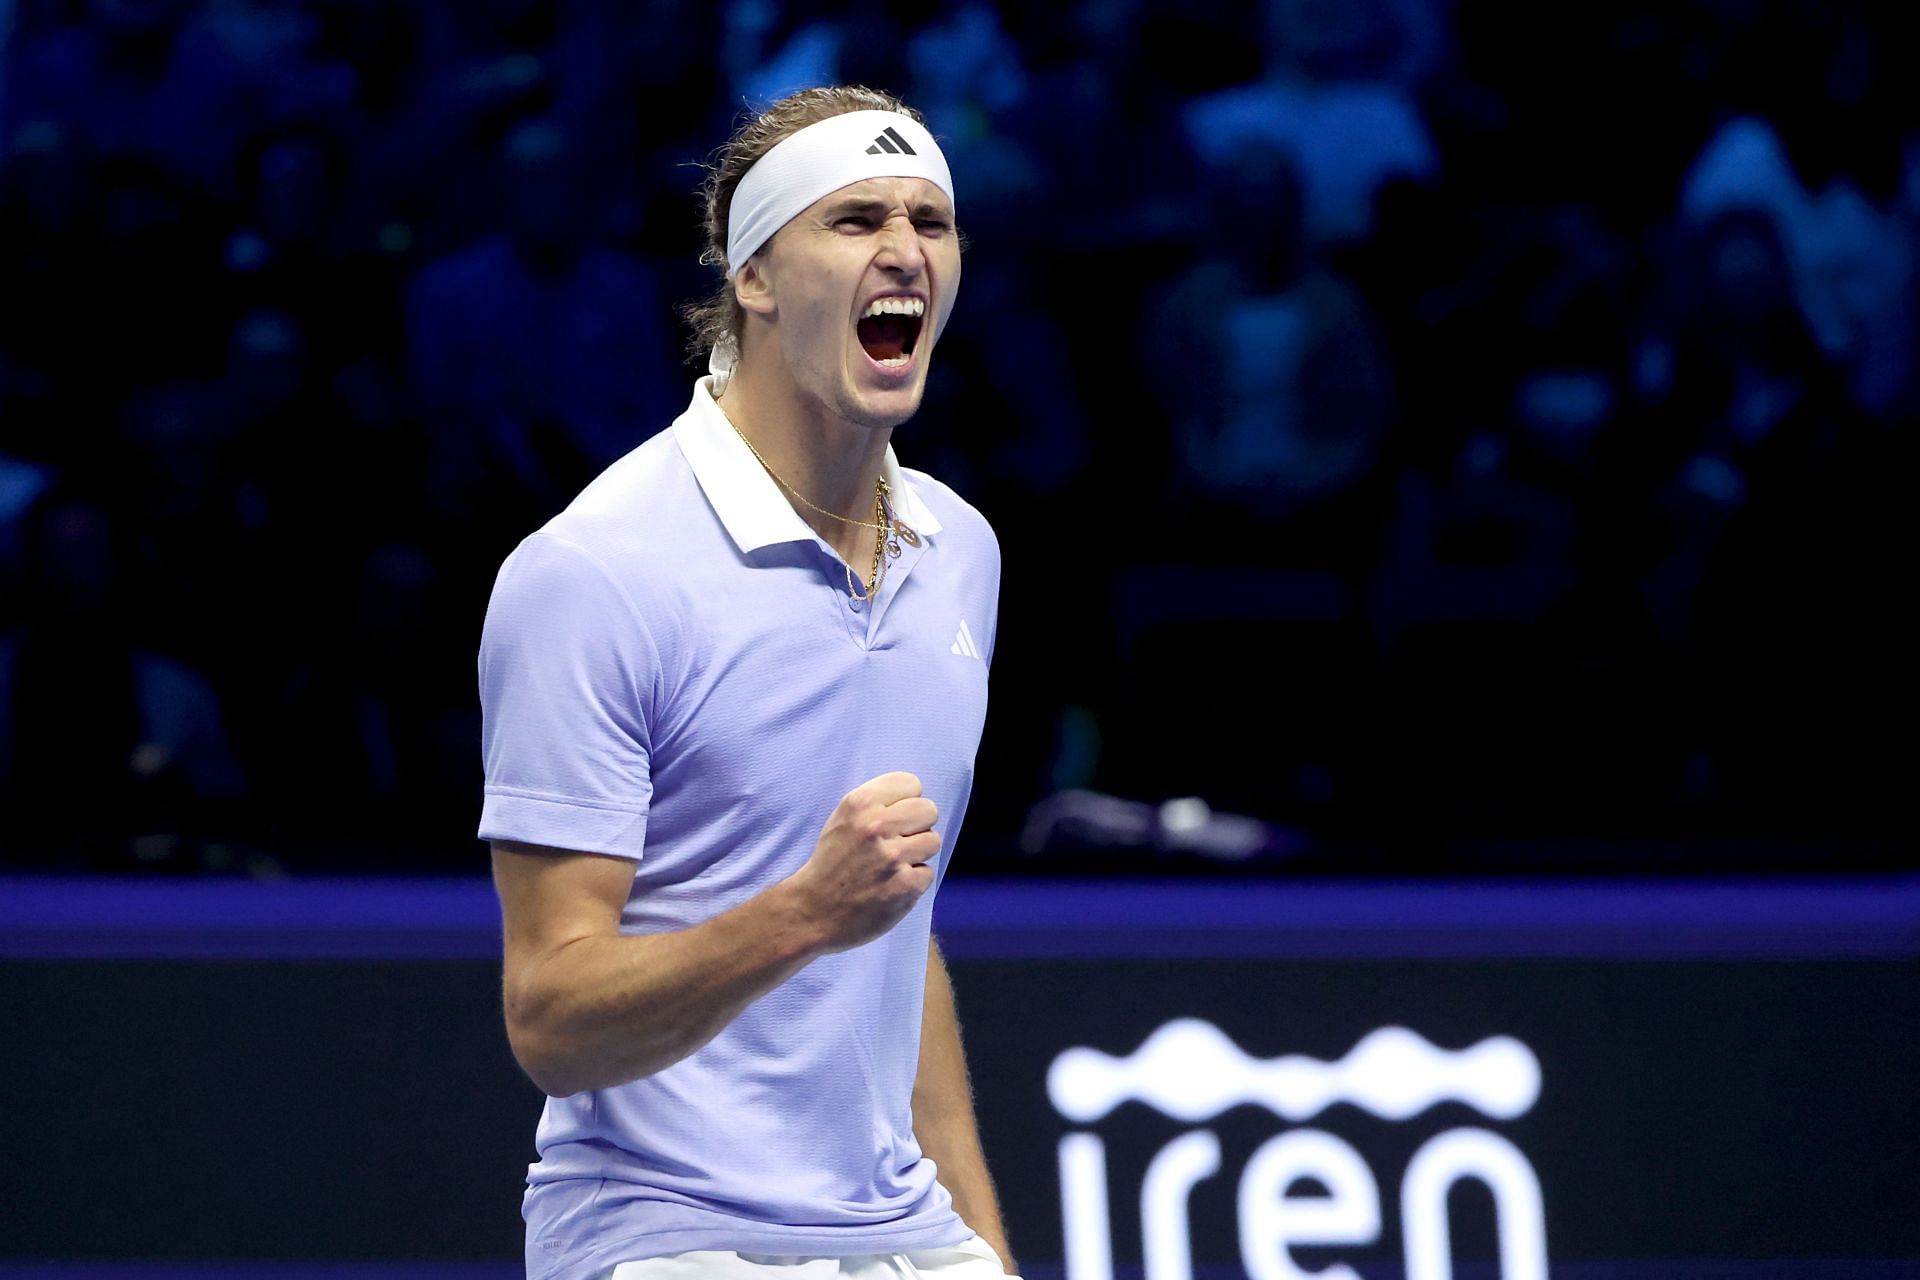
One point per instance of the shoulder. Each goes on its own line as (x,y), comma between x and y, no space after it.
(967,545)
(960,521)
(644,519)
(621,559)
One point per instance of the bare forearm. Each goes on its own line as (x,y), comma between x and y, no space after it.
(943,1118)
(589,1007)
(604,1010)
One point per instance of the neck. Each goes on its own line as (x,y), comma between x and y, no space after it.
(831,461)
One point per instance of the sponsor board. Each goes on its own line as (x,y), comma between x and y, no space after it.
(1191,1071)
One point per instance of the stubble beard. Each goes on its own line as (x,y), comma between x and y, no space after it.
(858,410)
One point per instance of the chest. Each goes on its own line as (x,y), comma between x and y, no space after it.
(794,693)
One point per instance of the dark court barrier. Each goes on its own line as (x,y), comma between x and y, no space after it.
(1175,1081)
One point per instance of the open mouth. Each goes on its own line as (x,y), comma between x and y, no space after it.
(890,328)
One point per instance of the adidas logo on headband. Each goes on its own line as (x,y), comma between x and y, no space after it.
(891,142)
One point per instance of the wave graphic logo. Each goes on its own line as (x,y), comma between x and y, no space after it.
(1191,1071)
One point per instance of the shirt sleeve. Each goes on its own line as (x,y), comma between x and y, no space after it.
(568,673)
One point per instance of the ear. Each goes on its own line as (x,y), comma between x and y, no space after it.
(752,289)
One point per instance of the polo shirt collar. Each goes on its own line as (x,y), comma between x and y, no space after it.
(753,508)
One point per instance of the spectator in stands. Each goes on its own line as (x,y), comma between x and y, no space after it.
(373,708)
(111,756)
(1331,97)
(539,354)
(1269,370)
(367,285)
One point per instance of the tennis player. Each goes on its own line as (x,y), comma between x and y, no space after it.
(732,698)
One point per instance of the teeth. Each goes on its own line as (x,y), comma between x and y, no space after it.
(896,307)
(894,363)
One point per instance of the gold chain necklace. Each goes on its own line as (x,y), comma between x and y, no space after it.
(889,530)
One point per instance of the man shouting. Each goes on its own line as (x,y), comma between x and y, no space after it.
(732,698)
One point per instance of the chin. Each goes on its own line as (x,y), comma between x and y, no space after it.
(882,410)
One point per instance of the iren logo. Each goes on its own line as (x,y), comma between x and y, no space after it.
(1189,1070)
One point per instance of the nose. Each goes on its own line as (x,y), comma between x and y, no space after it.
(900,249)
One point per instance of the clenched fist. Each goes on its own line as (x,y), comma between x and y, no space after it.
(873,860)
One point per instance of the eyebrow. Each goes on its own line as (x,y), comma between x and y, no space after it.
(869,205)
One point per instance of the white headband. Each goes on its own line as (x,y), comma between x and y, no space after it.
(821,158)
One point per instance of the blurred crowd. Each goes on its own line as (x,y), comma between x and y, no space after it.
(1402,418)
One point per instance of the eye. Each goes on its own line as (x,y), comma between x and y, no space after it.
(934,226)
(853,220)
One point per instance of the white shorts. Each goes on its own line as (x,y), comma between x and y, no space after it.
(971,1259)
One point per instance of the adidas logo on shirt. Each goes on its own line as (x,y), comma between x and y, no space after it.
(893,144)
(963,643)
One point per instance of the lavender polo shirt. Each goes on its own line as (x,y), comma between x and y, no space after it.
(673,672)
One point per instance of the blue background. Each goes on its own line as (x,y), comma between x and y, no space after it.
(1456,434)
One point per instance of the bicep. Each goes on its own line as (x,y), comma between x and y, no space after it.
(551,898)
